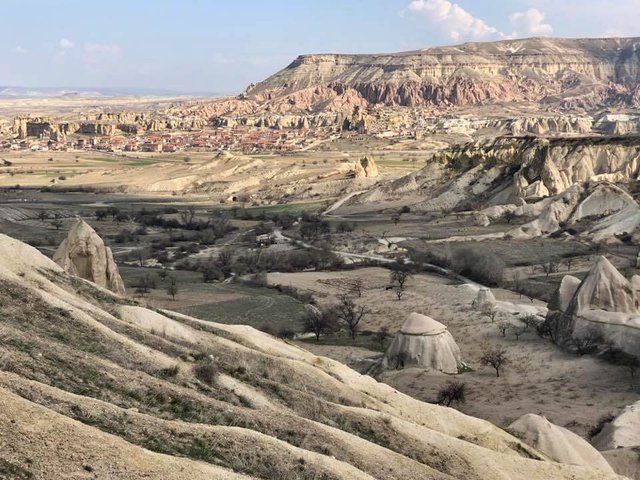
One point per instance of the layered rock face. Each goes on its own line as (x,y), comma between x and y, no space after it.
(84,254)
(572,73)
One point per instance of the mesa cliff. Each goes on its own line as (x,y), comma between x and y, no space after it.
(584,73)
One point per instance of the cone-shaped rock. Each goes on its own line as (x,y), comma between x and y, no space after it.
(84,254)
(423,342)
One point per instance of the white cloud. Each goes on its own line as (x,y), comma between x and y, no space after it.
(102,48)
(531,22)
(66,43)
(20,50)
(453,19)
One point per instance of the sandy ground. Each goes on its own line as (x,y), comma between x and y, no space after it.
(570,391)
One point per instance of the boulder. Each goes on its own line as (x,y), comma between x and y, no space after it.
(557,443)
(481,220)
(84,254)
(422,342)
(365,168)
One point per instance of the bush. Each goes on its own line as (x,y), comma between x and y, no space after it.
(602,421)
(452,392)
(478,264)
(206,372)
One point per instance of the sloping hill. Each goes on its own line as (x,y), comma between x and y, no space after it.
(93,386)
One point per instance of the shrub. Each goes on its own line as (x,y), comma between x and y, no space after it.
(602,421)
(478,264)
(452,392)
(206,372)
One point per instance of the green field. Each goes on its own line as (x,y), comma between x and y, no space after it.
(231,303)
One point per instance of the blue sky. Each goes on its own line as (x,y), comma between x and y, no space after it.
(221,46)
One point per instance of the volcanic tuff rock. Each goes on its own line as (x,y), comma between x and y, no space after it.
(559,444)
(84,254)
(365,168)
(604,302)
(422,342)
(571,73)
(87,380)
(505,170)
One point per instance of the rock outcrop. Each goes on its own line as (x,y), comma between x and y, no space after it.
(84,254)
(422,342)
(622,431)
(365,168)
(485,301)
(604,302)
(557,443)
(472,73)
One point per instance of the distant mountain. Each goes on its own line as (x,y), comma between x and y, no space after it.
(567,73)
(9,92)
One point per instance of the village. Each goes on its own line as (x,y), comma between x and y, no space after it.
(243,139)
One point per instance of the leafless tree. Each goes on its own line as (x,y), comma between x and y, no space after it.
(400,274)
(350,313)
(453,391)
(382,334)
(503,327)
(568,262)
(550,267)
(357,286)
(518,332)
(588,342)
(496,357)
(172,288)
(318,322)
(187,216)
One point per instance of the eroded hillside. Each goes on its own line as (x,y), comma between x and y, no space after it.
(145,393)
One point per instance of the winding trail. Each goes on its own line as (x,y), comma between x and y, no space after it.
(340,202)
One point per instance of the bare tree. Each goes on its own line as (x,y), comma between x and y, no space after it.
(401,272)
(568,262)
(399,292)
(496,357)
(382,334)
(357,286)
(187,216)
(43,215)
(57,223)
(490,311)
(172,288)
(518,332)
(318,322)
(395,218)
(550,267)
(529,321)
(350,313)
(452,392)
(588,342)
(503,327)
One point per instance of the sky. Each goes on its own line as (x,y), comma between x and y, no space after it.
(220,46)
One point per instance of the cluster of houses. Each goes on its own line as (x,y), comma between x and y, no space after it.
(239,138)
